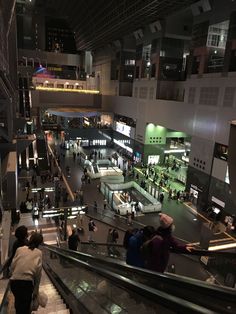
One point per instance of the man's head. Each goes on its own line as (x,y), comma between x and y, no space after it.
(21,233)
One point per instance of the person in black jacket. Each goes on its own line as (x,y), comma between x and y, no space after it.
(21,234)
(73,240)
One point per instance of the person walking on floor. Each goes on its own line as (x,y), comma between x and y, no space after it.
(104,204)
(95,207)
(26,274)
(92,228)
(161,198)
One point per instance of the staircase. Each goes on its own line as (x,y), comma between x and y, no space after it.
(55,303)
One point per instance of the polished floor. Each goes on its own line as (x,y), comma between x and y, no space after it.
(188,222)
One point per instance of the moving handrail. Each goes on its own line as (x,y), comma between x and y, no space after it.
(196,252)
(212,296)
(171,302)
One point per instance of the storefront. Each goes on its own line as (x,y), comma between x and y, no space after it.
(195,193)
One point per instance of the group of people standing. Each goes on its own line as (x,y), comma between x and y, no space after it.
(150,248)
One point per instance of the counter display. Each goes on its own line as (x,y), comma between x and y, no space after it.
(102,168)
(129,197)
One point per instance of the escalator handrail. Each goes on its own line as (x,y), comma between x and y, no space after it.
(172,302)
(171,278)
(196,252)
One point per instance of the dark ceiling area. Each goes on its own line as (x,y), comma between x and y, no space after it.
(100,22)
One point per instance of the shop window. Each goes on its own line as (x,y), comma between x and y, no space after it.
(146,52)
(216,41)
(217,35)
(221,151)
(129,62)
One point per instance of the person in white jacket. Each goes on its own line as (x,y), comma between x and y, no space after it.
(26,274)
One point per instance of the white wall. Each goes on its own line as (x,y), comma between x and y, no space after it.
(144,86)
(64,99)
(102,68)
(203,121)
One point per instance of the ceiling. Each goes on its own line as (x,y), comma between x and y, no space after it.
(100,22)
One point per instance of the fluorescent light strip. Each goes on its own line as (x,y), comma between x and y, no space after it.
(222,247)
(174,151)
(70,90)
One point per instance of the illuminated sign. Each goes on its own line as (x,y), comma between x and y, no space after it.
(123,128)
(54,69)
(121,144)
(48,189)
(153,159)
(72,212)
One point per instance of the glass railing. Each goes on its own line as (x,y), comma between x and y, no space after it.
(216,298)
(96,288)
(211,266)
(112,250)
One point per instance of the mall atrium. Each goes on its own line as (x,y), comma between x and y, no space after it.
(113,113)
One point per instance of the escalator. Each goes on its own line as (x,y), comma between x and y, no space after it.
(94,288)
(111,286)
(91,284)
(55,303)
